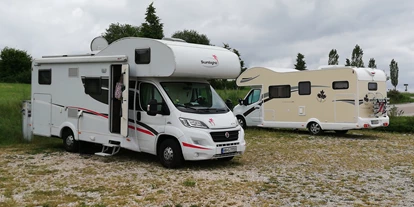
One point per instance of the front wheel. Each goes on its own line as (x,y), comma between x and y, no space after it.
(314,128)
(170,154)
(69,142)
(242,122)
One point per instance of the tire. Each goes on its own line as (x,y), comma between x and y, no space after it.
(69,142)
(170,154)
(341,131)
(242,122)
(314,128)
(226,159)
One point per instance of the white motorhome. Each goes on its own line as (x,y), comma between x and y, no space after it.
(335,98)
(167,108)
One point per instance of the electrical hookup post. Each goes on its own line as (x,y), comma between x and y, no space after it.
(26,120)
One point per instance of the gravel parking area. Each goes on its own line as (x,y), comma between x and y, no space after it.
(279,168)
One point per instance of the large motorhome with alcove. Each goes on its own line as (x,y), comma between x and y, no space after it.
(334,98)
(167,106)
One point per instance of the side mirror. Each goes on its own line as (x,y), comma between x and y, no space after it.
(229,104)
(240,101)
(245,102)
(152,107)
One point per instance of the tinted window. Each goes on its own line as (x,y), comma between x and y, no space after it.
(281,91)
(340,85)
(142,56)
(93,86)
(372,86)
(45,77)
(304,88)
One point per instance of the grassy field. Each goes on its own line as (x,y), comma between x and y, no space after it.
(11,96)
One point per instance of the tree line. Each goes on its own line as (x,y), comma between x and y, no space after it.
(355,61)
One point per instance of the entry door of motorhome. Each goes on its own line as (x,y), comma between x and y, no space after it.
(119,98)
(252,107)
(148,127)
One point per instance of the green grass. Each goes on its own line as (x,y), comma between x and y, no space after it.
(11,97)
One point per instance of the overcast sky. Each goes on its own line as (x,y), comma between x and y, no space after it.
(266,32)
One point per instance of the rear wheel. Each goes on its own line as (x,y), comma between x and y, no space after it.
(170,154)
(69,142)
(341,131)
(314,128)
(241,121)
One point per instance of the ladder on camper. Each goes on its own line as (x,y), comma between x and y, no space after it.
(109,149)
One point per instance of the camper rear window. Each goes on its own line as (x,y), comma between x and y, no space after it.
(45,77)
(143,56)
(372,86)
(280,91)
(340,85)
(304,88)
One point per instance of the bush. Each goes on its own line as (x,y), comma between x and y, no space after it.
(402,124)
(397,97)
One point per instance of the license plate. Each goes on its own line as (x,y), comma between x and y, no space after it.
(225,150)
(374,122)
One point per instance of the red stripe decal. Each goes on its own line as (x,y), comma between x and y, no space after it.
(194,146)
(99,114)
(90,111)
(141,130)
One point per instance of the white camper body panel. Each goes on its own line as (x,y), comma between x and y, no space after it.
(77,94)
(336,98)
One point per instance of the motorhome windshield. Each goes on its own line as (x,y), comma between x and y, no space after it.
(193,97)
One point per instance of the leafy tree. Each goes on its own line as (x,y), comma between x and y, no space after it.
(300,62)
(15,66)
(371,63)
(394,73)
(238,54)
(152,28)
(192,36)
(356,59)
(333,57)
(347,62)
(118,31)
(224,83)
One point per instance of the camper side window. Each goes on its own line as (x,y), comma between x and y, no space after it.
(92,86)
(304,88)
(253,97)
(340,85)
(280,91)
(45,77)
(143,56)
(148,92)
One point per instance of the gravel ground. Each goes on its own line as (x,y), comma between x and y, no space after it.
(278,169)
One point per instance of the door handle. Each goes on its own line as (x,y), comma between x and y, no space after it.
(257,107)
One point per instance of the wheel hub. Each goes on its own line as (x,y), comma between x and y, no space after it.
(168,153)
(69,140)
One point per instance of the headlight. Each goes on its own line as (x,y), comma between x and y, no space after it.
(193,123)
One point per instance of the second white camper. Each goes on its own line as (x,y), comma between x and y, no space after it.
(335,98)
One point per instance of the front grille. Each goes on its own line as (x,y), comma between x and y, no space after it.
(221,136)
